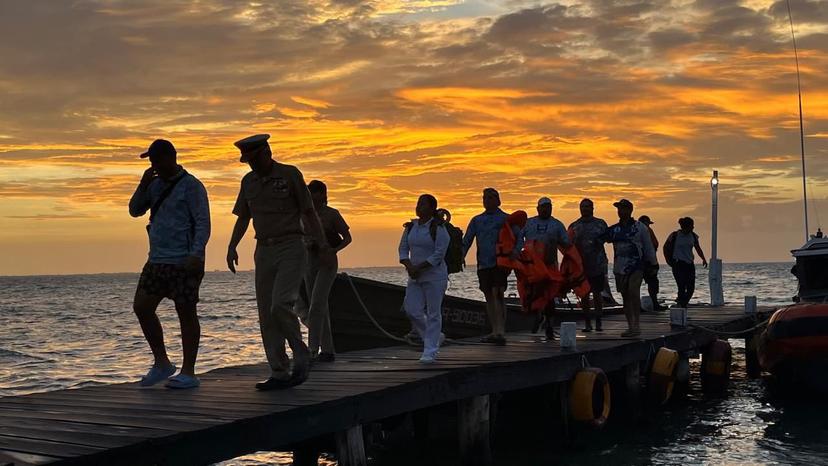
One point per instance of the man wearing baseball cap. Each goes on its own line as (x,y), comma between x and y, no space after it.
(651,272)
(485,229)
(551,232)
(275,197)
(178,228)
(633,253)
(587,233)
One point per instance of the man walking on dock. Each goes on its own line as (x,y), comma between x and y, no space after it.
(275,197)
(178,228)
(549,231)
(633,253)
(587,233)
(485,228)
(678,252)
(651,272)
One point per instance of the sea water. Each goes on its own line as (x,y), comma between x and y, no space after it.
(71,331)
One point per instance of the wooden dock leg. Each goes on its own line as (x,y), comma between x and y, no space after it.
(632,383)
(305,456)
(474,431)
(350,447)
(563,391)
(754,371)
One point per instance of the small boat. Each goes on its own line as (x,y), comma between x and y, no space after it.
(794,346)
(368,314)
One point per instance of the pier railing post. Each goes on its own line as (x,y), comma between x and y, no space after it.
(350,447)
(474,431)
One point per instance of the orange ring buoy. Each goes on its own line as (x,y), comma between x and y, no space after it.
(590,397)
(663,376)
(715,367)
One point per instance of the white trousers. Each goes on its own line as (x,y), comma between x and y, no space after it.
(424,306)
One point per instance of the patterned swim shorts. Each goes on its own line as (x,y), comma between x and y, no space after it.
(170,281)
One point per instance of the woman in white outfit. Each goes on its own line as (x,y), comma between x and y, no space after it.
(422,251)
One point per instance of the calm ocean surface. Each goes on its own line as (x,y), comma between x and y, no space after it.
(70,331)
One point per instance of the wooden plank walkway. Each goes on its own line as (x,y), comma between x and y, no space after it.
(226,417)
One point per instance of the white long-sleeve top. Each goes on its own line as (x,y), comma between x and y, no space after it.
(417,245)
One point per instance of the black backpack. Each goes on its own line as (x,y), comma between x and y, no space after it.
(454,253)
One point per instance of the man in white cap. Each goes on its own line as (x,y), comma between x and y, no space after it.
(178,228)
(551,232)
(544,228)
(276,198)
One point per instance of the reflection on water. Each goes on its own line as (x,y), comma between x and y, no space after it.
(69,331)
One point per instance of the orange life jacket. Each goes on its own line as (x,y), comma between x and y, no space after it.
(539,283)
(506,240)
(572,270)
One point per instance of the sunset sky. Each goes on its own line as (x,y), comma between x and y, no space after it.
(387,99)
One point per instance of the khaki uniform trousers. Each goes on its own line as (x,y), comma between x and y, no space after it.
(318,282)
(279,271)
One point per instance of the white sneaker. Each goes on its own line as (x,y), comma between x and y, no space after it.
(427,359)
(157,374)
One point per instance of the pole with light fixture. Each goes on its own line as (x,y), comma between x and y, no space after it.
(714,273)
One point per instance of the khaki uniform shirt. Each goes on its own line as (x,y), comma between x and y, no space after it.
(275,202)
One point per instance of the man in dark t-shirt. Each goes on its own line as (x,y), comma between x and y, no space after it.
(587,234)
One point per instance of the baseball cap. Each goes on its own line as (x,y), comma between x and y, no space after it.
(623,203)
(645,219)
(159,147)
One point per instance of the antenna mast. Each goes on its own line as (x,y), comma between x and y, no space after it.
(801,125)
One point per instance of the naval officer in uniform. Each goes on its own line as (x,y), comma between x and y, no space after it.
(276,198)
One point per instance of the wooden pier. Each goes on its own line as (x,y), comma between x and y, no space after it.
(226,417)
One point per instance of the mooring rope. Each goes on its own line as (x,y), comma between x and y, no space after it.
(385,332)
(734,334)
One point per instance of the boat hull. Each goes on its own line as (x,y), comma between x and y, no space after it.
(794,346)
(353,329)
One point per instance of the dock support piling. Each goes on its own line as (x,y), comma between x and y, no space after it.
(632,383)
(474,431)
(350,447)
(305,457)
(754,371)
(563,391)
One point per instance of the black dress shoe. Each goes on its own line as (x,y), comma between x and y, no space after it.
(275,384)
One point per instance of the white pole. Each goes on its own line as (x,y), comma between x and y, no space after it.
(714,274)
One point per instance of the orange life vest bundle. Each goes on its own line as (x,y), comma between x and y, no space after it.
(539,283)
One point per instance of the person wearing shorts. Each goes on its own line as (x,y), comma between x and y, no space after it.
(587,234)
(179,228)
(485,228)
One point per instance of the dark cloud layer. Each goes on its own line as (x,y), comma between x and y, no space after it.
(600,98)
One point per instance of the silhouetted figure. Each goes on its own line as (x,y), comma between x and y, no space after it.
(551,232)
(587,234)
(651,272)
(179,228)
(485,228)
(322,268)
(276,198)
(818,233)
(422,252)
(634,252)
(678,252)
